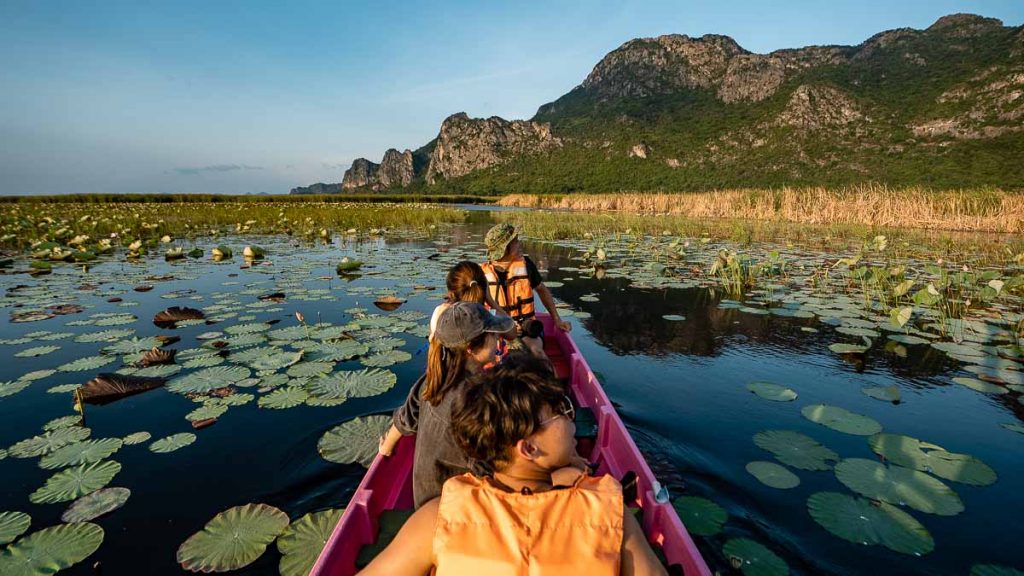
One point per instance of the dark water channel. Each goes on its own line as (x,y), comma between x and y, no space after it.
(680,387)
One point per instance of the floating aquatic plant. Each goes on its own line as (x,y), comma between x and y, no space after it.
(96,504)
(51,549)
(354,441)
(869,523)
(301,543)
(233,539)
(700,516)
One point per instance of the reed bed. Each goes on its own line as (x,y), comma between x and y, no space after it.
(977,210)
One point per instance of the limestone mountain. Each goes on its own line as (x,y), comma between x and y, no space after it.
(942,106)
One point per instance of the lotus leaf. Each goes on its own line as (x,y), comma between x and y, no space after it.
(276,360)
(852,331)
(87,363)
(700,516)
(912,453)
(796,449)
(208,379)
(37,375)
(773,475)
(205,412)
(235,399)
(309,369)
(388,358)
(337,351)
(273,380)
(354,441)
(866,522)
(207,361)
(899,485)
(12,525)
(772,392)
(84,452)
(233,539)
(382,344)
(247,328)
(841,419)
(96,504)
(1014,427)
(104,336)
(48,442)
(116,320)
(62,388)
(63,422)
(136,438)
(908,339)
(754,559)
(172,442)
(161,372)
(963,349)
(12,388)
(51,549)
(282,398)
(301,543)
(133,346)
(72,483)
(842,348)
(886,393)
(36,351)
(980,385)
(352,384)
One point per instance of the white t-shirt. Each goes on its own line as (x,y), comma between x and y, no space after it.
(433,318)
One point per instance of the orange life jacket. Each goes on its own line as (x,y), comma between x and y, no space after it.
(482,529)
(516,295)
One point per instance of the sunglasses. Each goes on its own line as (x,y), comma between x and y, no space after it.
(568,410)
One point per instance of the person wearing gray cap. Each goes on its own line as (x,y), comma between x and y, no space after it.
(464,342)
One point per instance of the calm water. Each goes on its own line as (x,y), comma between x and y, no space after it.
(680,387)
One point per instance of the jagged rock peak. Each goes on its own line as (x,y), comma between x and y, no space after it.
(968,24)
(318,188)
(813,107)
(395,169)
(647,66)
(466,144)
(362,173)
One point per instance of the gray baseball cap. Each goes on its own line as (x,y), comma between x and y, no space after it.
(463,321)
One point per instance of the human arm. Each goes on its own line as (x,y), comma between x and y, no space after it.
(549,303)
(406,417)
(388,441)
(411,552)
(638,558)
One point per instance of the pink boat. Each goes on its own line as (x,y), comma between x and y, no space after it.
(388,483)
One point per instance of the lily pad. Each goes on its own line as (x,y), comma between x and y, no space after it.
(73,483)
(87,363)
(899,485)
(885,393)
(773,392)
(869,523)
(796,449)
(773,475)
(673,317)
(980,385)
(842,348)
(700,516)
(354,441)
(172,442)
(84,452)
(386,358)
(309,369)
(96,504)
(208,379)
(48,442)
(12,525)
(754,559)
(282,398)
(233,539)
(63,388)
(994,570)
(841,419)
(36,351)
(913,453)
(205,412)
(51,549)
(12,388)
(301,543)
(136,438)
(352,384)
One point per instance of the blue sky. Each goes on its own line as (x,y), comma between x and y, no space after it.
(235,97)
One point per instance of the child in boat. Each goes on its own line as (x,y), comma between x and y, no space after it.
(517,520)
(512,279)
(464,342)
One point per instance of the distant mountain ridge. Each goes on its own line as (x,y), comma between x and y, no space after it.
(942,106)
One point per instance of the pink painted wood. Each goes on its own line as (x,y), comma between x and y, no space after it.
(388,483)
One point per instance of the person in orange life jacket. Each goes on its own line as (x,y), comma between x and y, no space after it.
(512,280)
(464,342)
(517,520)
(466,282)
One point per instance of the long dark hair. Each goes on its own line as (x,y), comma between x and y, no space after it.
(446,367)
(466,283)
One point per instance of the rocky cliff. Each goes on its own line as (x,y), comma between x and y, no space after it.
(318,188)
(942,106)
(468,144)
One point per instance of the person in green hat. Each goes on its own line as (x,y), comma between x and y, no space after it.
(513,279)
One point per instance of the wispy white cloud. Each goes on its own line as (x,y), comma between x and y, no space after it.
(194,171)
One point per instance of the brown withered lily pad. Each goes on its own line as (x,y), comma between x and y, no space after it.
(65,309)
(205,422)
(157,356)
(222,392)
(30,316)
(167,340)
(106,388)
(161,278)
(275,296)
(143,288)
(388,303)
(114,299)
(170,317)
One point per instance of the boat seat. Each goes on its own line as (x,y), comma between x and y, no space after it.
(586,423)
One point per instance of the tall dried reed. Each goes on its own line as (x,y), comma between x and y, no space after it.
(978,210)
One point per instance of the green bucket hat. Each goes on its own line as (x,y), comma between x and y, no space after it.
(498,238)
